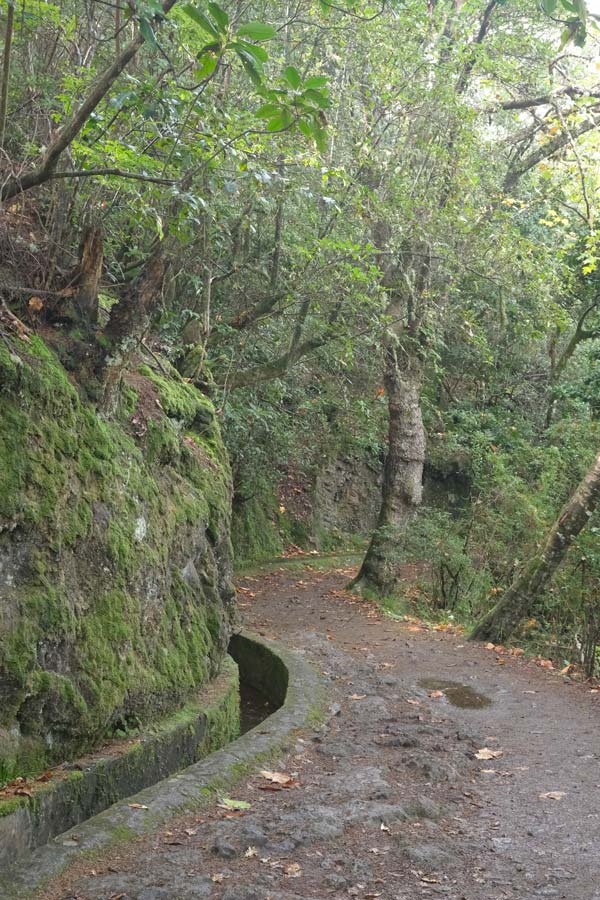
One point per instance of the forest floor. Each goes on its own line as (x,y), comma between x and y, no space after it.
(387,798)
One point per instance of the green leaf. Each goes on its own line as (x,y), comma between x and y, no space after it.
(267,110)
(209,64)
(147,33)
(306,128)
(276,124)
(320,136)
(549,6)
(259,53)
(316,81)
(220,16)
(252,68)
(209,48)
(316,97)
(257,31)
(292,76)
(200,19)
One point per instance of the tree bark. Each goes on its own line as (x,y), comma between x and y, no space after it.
(91,257)
(534,577)
(129,321)
(403,470)
(8,36)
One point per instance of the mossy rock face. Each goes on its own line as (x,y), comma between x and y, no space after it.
(115,589)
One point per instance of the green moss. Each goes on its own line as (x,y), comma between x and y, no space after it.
(9,806)
(254,532)
(182,401)
(105,513)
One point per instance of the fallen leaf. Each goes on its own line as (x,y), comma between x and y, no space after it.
(435,695)
(383,827)
(486,753)
(553,795)
(489,646)
(35,304)
(278,778)
(357,696)
(45,776)
(250,852)
(137,806)
(217,877)
(278,781)
(292,870)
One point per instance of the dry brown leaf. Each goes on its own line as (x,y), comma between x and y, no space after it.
(217,877)
(137,806)
(279,778)
(435,695)
(357,696)
(250,852)
(486,753)
(553,795)
(292,870)
(23,792)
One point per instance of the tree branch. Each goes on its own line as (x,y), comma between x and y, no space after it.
(119,173)
(545,151)
(69,131)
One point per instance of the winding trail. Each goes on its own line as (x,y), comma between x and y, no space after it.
(391,802)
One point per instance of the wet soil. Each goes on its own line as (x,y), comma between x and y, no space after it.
(389,797)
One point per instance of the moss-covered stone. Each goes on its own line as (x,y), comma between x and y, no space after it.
(115,593)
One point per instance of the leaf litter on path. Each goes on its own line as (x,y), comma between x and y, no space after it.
(486,753)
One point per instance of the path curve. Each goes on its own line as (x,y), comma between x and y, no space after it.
(391,801)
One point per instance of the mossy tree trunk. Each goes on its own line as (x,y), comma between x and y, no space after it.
(535,576)
(403,469)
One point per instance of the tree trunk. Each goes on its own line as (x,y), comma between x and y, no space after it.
(535,576)
(91,257)
(129,321)
(8,36)
(403,470)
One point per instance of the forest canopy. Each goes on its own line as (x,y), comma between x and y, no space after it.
(368,232)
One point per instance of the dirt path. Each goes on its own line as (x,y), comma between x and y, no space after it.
(391,801)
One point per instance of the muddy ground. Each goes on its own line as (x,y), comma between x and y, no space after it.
(388,798)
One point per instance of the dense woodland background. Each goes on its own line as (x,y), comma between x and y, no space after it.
(368,232)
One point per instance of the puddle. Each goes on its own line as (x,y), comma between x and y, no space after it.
(456,693)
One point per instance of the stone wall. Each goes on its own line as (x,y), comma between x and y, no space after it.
(115,593)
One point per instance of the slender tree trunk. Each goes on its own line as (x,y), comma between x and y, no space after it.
(91,256)
(403,469)
(129,321)
(535,576)
(8,36)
